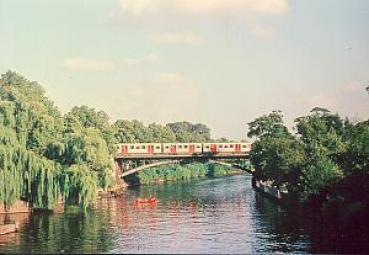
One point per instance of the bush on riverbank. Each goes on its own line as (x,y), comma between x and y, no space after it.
(324,154)
(325,167)
(182,172)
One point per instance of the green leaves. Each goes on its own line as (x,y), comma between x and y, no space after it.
(44,156)
(313,159)
(325,150)
(270,125)
(181,172)
(318,175)
(188,132)
(70,155)
(357,156)
(80,185)
(126,131)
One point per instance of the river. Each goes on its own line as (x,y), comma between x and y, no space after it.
(220,215)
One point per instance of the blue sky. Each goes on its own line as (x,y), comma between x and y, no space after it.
(219,62)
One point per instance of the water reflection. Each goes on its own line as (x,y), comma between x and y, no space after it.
(283,230)
(220,215)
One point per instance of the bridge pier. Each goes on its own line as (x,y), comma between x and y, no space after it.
(117,170)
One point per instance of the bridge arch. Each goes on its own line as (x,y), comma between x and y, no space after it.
(147,166)
(177,161)
(220,163)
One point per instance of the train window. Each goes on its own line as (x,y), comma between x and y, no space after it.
(220,146)
(185,146)
(207,146)
(179,146)
(118,147)
(198,147)
(244,146)
(132,147)
(226,146)
(143,147)
(157,147)
(231,146)
(167,147)
(137,147)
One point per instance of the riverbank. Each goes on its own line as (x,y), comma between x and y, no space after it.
(267,189)
(204,212)
(328,218)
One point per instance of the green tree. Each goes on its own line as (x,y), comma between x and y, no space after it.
(188,132)
(357,156)
(126,131)
(270,125)
(90,118)
(40,148)
(276,154)
(224,140)
(161,133)
(306,163)
(29,122)
(323,135)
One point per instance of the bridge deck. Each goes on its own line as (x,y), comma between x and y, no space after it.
(183,156)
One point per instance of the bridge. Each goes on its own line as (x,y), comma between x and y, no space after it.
(182,156)
(128,164)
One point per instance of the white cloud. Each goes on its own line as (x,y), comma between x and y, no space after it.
(142,7)
(166,11)
(90,64)
(175,78)
(129,62)
(138,7)
(215,6)
(177,39)
(264,31)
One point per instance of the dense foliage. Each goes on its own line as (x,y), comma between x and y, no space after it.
(136,132)
(47,157)
(182,172)
(325,168)
(326,154)
(187,132)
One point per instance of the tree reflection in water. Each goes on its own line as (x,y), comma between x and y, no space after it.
(219,215)
(72,231)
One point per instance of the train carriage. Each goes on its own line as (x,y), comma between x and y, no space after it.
(246,147)
(139,148)
(226,147)
(182,148)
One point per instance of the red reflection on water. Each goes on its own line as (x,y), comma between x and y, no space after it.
(21,219)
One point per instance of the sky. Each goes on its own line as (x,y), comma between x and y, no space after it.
(219,62)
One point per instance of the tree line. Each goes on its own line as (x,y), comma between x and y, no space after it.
(324,162)
(48,157)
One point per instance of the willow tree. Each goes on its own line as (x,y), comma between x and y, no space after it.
(42,160)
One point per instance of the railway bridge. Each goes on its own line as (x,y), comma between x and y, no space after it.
(128,164)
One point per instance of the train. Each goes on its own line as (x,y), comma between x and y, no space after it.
(183,148)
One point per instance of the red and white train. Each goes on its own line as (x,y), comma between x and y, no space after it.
(183,148)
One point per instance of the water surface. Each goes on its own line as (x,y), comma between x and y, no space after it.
(219,215)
